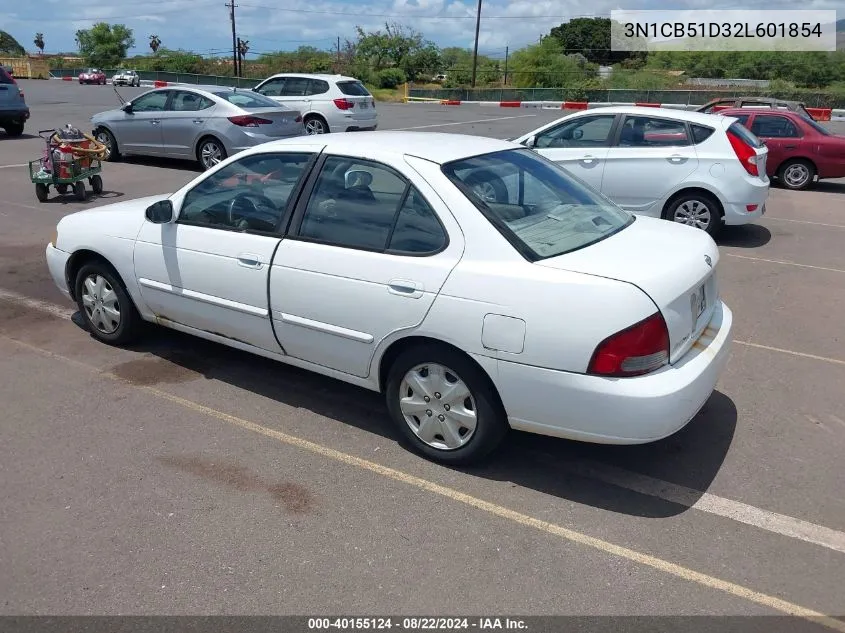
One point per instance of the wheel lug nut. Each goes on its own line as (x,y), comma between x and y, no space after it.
(441,417)
(428,412)
(437,395)
(427,399)
(446,406)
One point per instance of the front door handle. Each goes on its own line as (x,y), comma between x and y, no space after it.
(588,160)
(405,288)
(249,260)
(199,120)
(154,122)
(789,146)
(675,158)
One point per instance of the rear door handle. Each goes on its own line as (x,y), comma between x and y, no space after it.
(199,120)
(677,159)
(789,146)
(249,260)
(405,288)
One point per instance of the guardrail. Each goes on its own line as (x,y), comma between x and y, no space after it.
(166,76)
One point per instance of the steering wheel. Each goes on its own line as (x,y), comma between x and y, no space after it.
(232,218)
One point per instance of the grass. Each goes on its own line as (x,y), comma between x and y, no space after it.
(389,95)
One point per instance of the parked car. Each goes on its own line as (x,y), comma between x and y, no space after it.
(92,76)
(205,124)
(697,169)
(800,149)
(126,78)
(329,103)
(13,109)
(767,103)
(376,259)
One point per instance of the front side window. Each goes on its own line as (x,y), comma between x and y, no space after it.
(643,131)
(251,194)
(272,87)
(366,205)
(537,206)
(584,131)
(151,102)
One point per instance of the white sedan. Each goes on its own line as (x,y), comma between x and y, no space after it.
(377,259)
(688,167)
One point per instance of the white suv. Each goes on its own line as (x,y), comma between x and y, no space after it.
(688,167)
(328,103)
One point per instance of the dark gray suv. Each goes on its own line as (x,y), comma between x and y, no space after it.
(13,109)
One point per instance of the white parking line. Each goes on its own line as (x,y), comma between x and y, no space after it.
(500,118)
(16,165)
(838,226)
(834,361)
(705,502)
(779,261)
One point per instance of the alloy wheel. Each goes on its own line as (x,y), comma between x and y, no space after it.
(694,213)
(101,304)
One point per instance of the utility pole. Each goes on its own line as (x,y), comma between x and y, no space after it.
(235,70)
(338,53)
(506,65)
(475,50)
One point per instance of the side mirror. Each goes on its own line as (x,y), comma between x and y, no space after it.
(127,107)
(530,142)
(160,212)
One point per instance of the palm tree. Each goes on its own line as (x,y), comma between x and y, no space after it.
(155,43)
(39,42)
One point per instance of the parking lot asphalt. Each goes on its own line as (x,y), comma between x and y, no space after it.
(179,476)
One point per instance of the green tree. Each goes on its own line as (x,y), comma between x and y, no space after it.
(105,45)
(545,65)
(10,46)
(456,63)
(591,38)
(397,47)
(39,42)
(305,59)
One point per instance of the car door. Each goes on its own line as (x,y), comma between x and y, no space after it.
(650,156)
(368,251)
(579,144)
(184,120)
(296,93)
(781,136)
(139,130)
(209,269)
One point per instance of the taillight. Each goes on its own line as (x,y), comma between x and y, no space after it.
(246,120)
(344,104)
(745,153)
(634,351)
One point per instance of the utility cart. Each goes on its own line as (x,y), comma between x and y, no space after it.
(67,162)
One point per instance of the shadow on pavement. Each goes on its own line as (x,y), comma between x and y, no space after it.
(744,236)
(829,186)
(164,163)
(68,198)
(690,458)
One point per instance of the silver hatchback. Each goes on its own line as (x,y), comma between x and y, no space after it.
(206,124)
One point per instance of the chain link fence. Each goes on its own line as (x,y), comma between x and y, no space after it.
(184,78)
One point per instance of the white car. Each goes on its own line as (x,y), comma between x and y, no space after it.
(328,103)
(126,78)
(693,168)
(375,259)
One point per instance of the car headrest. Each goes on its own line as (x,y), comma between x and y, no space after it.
(357,178)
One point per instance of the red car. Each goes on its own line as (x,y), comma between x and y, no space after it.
(92,76)
(799,149)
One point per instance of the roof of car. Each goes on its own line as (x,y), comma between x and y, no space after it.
(748,111)
(315,76)
(674,113)
(437,147)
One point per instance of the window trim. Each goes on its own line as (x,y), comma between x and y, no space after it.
(284,219)
(294,225)
(624,117)
(593,115)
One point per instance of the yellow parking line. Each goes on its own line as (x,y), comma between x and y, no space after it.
(567,534)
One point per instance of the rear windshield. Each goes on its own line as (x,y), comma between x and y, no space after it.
(248,99)
(353,88)
(540,208)
(5,78)
(818,127)
(745,134)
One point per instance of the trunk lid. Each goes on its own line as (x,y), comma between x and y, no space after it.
(361,104)
(283,121)
(667,261)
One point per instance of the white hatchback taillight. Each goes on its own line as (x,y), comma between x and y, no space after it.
(636,350)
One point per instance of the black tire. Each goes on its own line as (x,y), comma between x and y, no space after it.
(102,135)
(62,189)
(315,125)
(490,424)
(488,179)
(14,129)
(130,324)
(687,204)
(97,184)
(42,192)
(210,152)
(79,191)
(797,174)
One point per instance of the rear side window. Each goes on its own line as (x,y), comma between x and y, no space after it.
(5,78)
(353,88)
(700,133)
(743,133)
(318,87)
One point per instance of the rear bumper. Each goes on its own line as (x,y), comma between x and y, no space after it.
(752,194)
(618,410)
(16,114)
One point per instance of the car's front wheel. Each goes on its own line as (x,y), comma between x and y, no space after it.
(444,405)
(105,306)
(104,137)
(697,210)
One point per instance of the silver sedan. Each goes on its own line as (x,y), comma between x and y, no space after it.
(206,124)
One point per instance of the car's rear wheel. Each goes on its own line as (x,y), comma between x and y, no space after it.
(797,174)
(105,306)
(14,129)
(104,137)
(210,152)
(315,125)
(696,210)
(444,406)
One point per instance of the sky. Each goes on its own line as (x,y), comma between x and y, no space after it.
(203,26)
